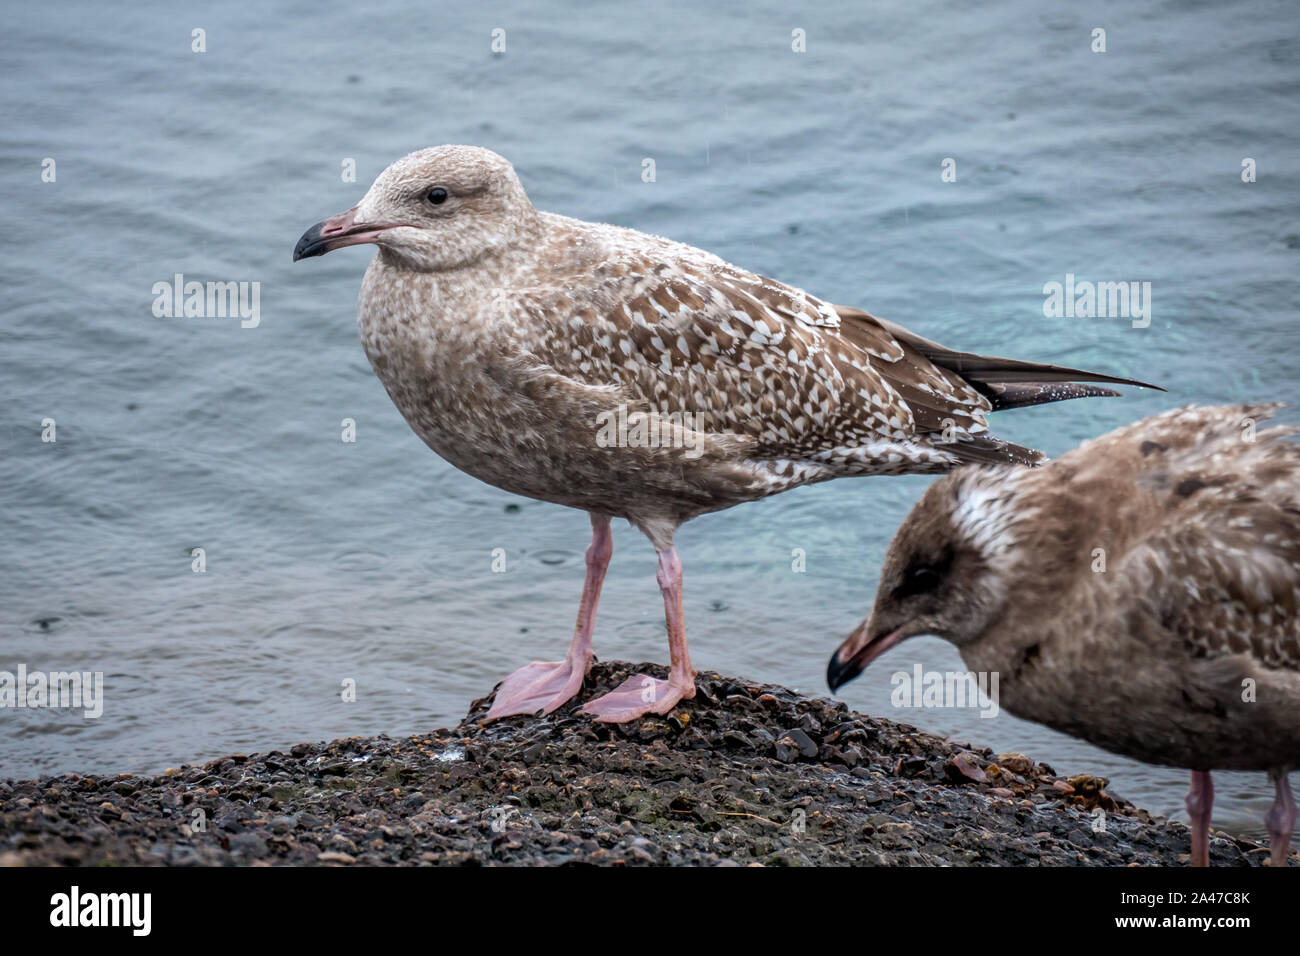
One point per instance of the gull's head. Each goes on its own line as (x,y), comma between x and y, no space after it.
(440,208)
(947,570)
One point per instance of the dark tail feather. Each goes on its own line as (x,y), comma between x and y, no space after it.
(1037,393)
(1006,383)
(989,370)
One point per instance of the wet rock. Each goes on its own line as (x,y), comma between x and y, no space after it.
(793,744)
(1018,764)
(965,766)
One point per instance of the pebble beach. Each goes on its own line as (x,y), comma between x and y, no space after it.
(745,774)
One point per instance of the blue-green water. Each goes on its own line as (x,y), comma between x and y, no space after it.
(371,561)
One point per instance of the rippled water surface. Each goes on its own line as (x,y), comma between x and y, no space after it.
(371,561)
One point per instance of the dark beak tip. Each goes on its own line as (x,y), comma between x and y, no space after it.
(835,673)
(309,243)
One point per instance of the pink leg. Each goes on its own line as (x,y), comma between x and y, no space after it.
(547,685)
(1200,801)
(1280,820)
(641,694)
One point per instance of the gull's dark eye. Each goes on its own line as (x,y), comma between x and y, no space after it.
(923,577)
(437,195)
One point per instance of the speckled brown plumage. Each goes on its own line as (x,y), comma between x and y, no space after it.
(1140,592)
(504,335)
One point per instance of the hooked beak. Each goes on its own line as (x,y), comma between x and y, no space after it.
(858,650)
(337,232)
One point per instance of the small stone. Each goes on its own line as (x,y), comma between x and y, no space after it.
(793,744)
(334,856)
(964,766)
(1016,763)
(912,766)
(734,738)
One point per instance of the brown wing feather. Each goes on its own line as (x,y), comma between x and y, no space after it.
(754,357)
(1223,561)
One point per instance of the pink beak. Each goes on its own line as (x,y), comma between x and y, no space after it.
(858,650)
(337,232)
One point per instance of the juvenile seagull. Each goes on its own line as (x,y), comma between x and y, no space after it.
(1141,592)
(634,377)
